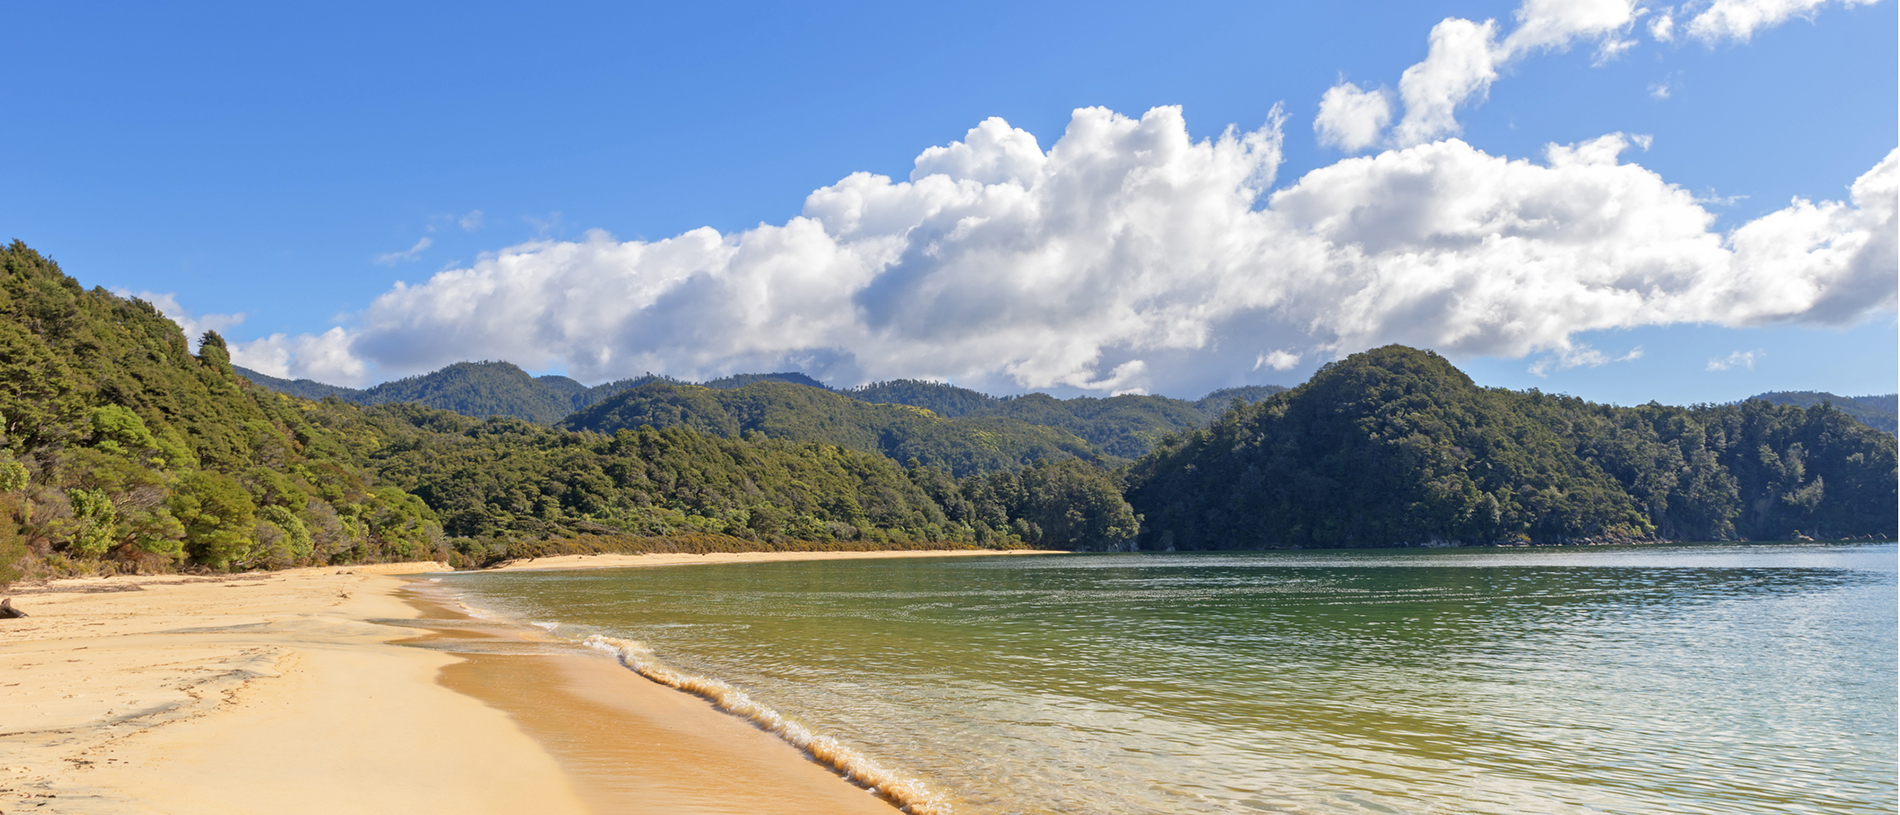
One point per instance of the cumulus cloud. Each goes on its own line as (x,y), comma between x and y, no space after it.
(1128,256)
(1352,119)
(1740,19)
(1463,59)
(1459,66)
(327,357)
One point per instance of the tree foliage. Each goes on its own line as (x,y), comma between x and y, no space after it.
(1396,446)
(793,412)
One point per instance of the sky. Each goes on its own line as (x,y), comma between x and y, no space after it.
(1624,201)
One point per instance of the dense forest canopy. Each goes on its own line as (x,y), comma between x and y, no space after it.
(1397,446)
(1877,412)
(120,449)
(781,410)
(1123,427)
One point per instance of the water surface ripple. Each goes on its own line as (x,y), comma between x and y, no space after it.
(1674,679)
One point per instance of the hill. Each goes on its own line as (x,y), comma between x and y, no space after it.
(793,412)
(1122,426)
(477,389)
(1397,446)
(120,451)
(119,446)
(1877,412)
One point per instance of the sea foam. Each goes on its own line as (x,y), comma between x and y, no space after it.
(908,793)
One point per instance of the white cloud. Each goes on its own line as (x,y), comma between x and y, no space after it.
(1277,360)
(1740,19)
(1554,25)
(1464,57)
(1579,355)
(411,253)
(1129,256)
(470,222)
(326,357)
(1662,27)
(194,325)
(1351,119)
(1739,359)
(1460,66)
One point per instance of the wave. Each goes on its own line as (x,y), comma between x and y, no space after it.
(908,794)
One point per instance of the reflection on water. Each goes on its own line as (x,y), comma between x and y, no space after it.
(1681,679)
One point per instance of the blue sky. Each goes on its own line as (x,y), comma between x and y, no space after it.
(533,179)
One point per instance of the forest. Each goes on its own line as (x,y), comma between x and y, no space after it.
(123,450)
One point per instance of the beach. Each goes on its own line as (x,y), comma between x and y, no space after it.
(280,692)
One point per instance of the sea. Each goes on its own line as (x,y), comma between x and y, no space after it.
(1681,679)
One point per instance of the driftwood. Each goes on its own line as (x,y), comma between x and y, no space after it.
(8,612)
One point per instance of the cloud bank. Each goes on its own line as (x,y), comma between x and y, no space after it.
(1126,251)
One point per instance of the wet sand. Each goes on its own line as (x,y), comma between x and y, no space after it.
(357,689)
(282,693)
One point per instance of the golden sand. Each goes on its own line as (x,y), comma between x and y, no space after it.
(280,693)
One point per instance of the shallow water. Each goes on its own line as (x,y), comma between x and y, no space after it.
(1668,679)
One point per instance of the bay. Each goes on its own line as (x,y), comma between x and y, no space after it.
(1710,678)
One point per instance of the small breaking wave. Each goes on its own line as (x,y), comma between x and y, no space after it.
(908,793)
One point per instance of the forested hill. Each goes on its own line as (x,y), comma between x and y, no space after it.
(1020,429)
(476,389)
(1878,412)
(783,410)
(1397,446)
(121,450)
(1123,426)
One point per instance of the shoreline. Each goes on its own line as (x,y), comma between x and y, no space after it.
(620,561)
(332,689)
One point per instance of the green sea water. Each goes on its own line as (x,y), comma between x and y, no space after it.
(1725,678)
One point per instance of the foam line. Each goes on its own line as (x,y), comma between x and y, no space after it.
(908,793)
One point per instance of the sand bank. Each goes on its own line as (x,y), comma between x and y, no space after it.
(608,561)
(279,693)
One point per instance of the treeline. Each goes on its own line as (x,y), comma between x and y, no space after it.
(1877,412)
(122,450)
(1395,446)
(781,410)
(118,445)
(468,388)
(984,433)
(499,480)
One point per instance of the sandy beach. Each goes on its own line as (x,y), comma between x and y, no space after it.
(299,691)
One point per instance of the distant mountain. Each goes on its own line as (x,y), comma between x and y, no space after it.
(1122,426)
(783,410)
(301,388)
(737,381)
(1877,412)
(478,389)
